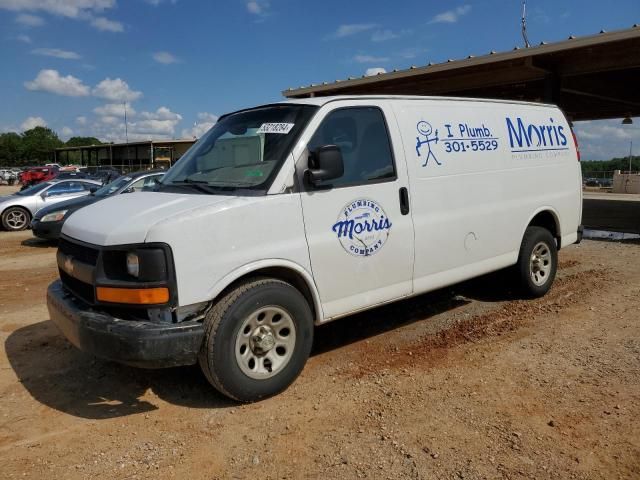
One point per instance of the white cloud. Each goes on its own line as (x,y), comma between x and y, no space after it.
(451,16)
(351,29)
(24,38)
(258,7)
(165,58)
(105,25)
(370,59)
(57,53)
(111,120)
(606,139)
(114,109)
(206,121)
(32,122)
(63,8)
(29,20)
(66,132)
(159,124)
(386,35)
(81,120)
(51,81)
(374,71)
(162,113)
(207,117)
(86,10)
(116,90)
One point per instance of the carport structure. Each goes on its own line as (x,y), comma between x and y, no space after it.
(592,77)
(125,156)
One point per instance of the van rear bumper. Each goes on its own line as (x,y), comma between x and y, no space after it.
(580,233)
(137,343)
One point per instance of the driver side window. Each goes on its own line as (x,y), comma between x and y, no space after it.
(361,134)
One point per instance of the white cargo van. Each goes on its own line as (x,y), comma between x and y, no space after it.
(293,214)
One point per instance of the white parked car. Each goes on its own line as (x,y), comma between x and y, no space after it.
(17,210)
(293,214)
(8,176)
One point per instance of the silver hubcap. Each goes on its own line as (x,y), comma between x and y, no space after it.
(265,342)
(16,219)
(540,263)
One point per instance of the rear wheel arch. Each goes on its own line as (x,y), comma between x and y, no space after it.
(548,219)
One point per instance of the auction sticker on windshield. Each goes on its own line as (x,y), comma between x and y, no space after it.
(282,128)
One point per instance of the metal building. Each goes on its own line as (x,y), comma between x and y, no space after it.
(125,156)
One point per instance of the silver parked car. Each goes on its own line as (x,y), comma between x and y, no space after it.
(17,210)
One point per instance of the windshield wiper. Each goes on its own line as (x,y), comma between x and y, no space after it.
(197,184)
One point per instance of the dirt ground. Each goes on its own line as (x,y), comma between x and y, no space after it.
(467,382)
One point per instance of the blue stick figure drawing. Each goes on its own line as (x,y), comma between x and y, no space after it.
(425,129)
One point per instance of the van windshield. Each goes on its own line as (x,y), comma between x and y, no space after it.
(243,150)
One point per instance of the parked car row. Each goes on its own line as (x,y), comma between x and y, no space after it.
(46,205)
(9,175)
(597,182)
(34,175)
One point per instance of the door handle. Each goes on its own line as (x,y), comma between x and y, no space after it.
(404,200)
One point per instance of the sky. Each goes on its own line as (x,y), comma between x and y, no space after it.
(72,65)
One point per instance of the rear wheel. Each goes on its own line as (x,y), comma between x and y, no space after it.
(15,219)
(537,261)
(257,340)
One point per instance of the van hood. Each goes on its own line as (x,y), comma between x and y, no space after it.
(129,218)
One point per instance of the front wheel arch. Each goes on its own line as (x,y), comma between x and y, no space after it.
(289,272)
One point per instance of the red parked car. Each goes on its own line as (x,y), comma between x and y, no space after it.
(35,175)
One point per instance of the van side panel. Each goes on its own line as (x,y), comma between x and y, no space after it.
(478,172)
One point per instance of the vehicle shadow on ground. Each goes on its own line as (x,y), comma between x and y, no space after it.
(39,243)
(58,375)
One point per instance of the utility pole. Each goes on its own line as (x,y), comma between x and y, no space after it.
(524,24)
(126,135)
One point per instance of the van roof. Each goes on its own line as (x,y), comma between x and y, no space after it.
(319,101)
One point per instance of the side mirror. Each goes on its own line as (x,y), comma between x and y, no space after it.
(325,164)
(93,189)
(129,190)
(43,195)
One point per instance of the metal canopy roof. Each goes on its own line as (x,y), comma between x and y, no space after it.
(593,77)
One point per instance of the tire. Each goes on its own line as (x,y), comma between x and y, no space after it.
(537,262)
(15,219)
(244,325)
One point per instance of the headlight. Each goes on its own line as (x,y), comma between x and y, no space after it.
(133,264)
(54,216)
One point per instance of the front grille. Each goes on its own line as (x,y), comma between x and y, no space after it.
(81,252)
(82,290)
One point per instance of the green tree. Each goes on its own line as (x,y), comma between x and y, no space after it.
(82,141)
(605,168)
(10,149)
(38,145)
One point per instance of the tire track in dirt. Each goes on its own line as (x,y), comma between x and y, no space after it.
(429,349)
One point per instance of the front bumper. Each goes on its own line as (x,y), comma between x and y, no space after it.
(46,230)
(137,343)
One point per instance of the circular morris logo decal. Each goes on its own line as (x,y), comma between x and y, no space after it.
(362,227)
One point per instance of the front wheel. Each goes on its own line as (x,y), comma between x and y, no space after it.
(257,340)
(15,219)
(537,261)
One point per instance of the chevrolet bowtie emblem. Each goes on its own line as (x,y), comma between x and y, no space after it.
(68,265)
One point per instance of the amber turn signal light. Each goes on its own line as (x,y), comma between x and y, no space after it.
(139,296)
